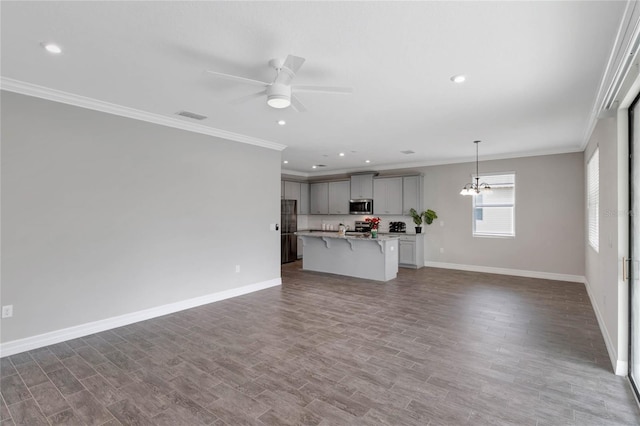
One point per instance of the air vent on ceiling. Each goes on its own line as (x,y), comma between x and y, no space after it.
(408,152)
(191,115)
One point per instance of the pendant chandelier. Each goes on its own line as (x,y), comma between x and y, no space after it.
(476,187)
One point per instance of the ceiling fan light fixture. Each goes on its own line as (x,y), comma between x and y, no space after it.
(51,48)
(278,101)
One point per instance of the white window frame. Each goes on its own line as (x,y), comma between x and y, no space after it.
(512,205)
(593,200)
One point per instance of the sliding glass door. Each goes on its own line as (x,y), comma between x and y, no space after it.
(634,241)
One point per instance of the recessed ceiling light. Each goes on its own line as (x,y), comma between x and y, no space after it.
(458,78)
(367,161)
(341,154)
(52,48)
(282,122)
(285,162)
(314,167)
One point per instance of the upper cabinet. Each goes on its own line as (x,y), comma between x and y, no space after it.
(292,192)
(361,187)
(391,195)
(411,194)
(387,196)
(298,191)
(319,198)
(339,197)
(304,198)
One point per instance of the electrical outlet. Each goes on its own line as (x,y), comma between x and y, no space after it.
(7,311)
(441,249)
(237,268)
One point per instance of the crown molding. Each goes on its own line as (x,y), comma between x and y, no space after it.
(437,162)
(614,79)
(294,173)
(34,90)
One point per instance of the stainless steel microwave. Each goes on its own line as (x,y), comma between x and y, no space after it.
(361,206)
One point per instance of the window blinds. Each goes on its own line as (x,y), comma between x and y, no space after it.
(494,212)
(593,198)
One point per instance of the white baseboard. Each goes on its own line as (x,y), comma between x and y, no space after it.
(22,345)
(620,368)
(506,271)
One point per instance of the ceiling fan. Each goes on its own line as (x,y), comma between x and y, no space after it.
(280,93)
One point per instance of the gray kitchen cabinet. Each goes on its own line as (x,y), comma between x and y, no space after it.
(339,197)
(292,192)
(407,252)
(361,187)
(304,198)
(300,192)
(319,198)
(300,247)
(387,196)
(411,194)
(411,251)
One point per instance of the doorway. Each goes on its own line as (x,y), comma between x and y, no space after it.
(634,245)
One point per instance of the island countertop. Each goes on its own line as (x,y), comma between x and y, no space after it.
(352,255)
(320,234)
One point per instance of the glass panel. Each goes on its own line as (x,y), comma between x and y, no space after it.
(495,221)
(634,237)
(493,213)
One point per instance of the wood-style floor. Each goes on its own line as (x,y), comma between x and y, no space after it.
(433,347)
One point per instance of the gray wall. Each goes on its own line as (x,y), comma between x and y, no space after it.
(549,216)
(103,215)
(606,287)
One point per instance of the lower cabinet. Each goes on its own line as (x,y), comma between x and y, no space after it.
(411,251)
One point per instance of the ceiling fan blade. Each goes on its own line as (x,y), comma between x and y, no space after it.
(288,70)
(324,89)
(293,63)
(244,99)
(238,78)
(297,105)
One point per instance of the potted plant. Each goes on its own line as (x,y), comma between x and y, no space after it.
(428,216)
(374,222)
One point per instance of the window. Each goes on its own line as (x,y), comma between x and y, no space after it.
(593,198)
(493,213)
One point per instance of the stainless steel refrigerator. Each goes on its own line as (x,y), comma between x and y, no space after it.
(288,226)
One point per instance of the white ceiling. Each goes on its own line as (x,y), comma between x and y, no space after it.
(533,71)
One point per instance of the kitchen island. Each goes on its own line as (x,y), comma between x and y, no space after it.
(351,255)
